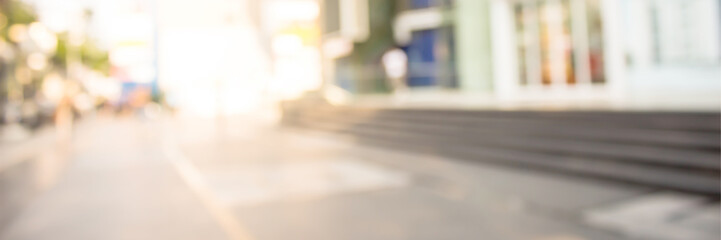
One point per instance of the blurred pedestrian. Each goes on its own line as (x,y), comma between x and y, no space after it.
(395,63)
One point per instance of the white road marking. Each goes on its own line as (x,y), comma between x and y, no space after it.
(260,183)
(232,227)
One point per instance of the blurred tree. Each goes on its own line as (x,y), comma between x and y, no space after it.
(11,12)
(91,55)
(94,57)
(61,52)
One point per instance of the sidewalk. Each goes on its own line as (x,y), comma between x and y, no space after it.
(27,167)
(118,186)
(324,186)
(245,179)
(18,143)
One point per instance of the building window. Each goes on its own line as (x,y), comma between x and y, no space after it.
(419,4)
(685,31)
(559,42)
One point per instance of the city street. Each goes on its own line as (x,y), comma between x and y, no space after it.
(243,178)
(360,119)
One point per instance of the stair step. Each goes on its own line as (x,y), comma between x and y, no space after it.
(585,130)
(677,151)
(685,180)
(667,156)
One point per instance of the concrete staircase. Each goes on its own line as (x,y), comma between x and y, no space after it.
(669,150)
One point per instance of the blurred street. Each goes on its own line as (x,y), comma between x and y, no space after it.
(246,178)
(360,119)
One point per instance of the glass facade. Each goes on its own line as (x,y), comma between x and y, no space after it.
(431,58)
(431,52)
(683,32)
(559,42)
(576,45)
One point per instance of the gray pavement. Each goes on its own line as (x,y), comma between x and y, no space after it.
(247,179)
(116,186)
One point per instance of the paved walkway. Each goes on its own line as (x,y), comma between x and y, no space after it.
(241,180)
(118,186)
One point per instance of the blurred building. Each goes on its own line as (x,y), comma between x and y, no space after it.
(478,77)
(640,52)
